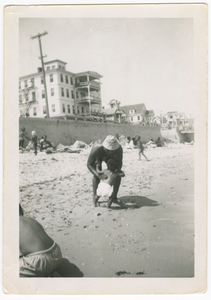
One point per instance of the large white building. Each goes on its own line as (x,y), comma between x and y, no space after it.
(68,93)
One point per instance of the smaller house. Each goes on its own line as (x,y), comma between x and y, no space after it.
(175,119)
(136,113)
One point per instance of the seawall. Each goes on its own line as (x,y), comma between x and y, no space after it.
(68,131)
(176,136)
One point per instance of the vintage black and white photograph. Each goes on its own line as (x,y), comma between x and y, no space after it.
(107,117)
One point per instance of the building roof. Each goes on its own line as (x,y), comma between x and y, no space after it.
(55,60)
(92,73)
(110,111)
(150,112)
(138,108)
(172,112)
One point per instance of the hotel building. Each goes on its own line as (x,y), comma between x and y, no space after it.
(68,93)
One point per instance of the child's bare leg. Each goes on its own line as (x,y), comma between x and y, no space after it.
(95,182)
(95,200)
(139,155)
(109,202)
(113,197)
(144,156)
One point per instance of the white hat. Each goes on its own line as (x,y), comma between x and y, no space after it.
(111,143)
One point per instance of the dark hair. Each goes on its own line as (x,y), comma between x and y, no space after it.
(20,210)
(111,164)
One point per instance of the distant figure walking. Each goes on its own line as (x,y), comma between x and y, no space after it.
(39,255)
(140,147)
(110,148)
(34,141)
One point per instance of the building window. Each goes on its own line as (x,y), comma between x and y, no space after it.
(78,80)
(63,108)
(53,108)
(43,94)
(67,92)
(44,110)
(33,96)
(78,110)
(131,119)
(34,111)
(25,83)
(19,85)
(87,111)
(72,94)
(53,67)
(66,78)
(20,99)
(59,67)
(41,79)
(71,80)
(132,111)
(82,110)
(27,98)
(51,77)
(138,118)
(32,82)
(52,92)
(62,90)
(61,77)
(48,68)
(63,68)
(73,109)
(76,94)
(68,109)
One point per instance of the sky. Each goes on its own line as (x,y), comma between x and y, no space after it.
(142,60)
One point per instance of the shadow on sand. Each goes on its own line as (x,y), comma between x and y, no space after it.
(137,201)
(67,269)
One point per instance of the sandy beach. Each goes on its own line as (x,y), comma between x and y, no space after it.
(153,236)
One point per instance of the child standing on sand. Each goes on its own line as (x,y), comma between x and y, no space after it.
(105,187)
(39,255)
(140,147)
(34,141)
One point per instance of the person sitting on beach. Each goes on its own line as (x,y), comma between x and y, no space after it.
(150,143)
(165,143)
(39,255)
(22,135)
(132,143)
(105,187)
(159,142)
(140,147)
(128,146)
(44,144)
(34,141)
(109,148)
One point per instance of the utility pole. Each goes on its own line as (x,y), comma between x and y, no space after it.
(43,69)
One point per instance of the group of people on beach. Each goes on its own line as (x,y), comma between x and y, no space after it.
(34,141)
